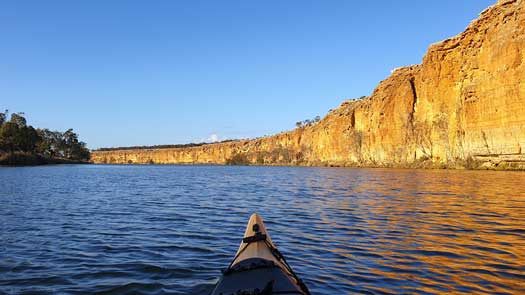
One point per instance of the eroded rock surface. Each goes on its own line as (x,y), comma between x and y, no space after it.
(464,106)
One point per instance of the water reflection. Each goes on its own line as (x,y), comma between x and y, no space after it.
(171,229)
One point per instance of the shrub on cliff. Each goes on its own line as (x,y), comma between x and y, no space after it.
(307,122)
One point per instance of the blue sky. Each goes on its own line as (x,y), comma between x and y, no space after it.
(160,72)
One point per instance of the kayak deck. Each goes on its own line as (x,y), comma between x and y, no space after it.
(258,267)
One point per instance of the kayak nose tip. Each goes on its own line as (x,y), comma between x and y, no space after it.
(255,217)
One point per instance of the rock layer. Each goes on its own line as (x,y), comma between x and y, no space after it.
(464,106)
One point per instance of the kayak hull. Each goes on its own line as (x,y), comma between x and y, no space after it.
(257,280)
(258,267)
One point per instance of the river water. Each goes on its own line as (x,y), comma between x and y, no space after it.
(86,229)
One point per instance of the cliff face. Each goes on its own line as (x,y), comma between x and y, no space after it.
(463,106)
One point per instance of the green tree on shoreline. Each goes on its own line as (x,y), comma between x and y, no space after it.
(17,136)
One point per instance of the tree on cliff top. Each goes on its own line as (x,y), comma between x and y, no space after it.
(307,122)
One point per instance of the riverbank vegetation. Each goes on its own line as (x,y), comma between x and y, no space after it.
(22,144)
(163,146)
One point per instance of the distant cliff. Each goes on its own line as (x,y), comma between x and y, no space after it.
(464,106)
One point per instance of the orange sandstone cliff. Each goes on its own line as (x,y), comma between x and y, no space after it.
(464,106)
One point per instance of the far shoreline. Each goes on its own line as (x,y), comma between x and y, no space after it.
(393,167)
(21,159)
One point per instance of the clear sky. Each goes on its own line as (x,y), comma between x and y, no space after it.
(163,72)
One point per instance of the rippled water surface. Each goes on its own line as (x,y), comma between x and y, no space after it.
(172,229)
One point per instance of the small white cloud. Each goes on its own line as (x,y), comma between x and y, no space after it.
(213,138)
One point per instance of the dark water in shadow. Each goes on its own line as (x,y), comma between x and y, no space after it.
(172,229)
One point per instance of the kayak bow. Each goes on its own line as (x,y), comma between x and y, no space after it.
(258,267)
